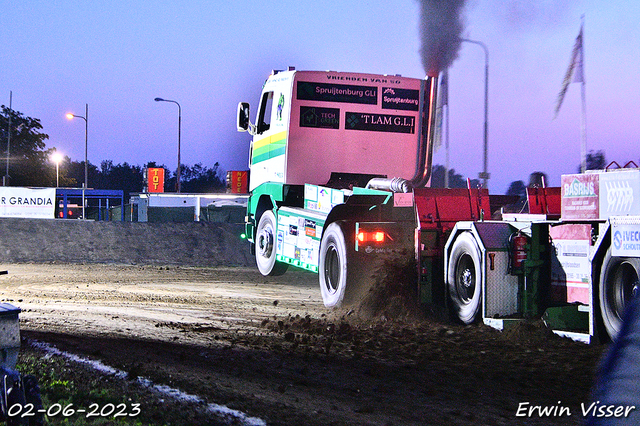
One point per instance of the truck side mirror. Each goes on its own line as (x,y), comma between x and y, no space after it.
(243,116)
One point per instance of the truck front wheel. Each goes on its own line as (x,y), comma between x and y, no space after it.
(333,266)
(464,281)
(619,282)
(266,246)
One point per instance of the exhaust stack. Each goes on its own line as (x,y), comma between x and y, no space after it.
(427,132)
(427,126)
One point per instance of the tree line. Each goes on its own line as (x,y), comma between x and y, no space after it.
(30,164)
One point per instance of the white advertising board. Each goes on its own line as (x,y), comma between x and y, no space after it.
(27,202)
(619,193)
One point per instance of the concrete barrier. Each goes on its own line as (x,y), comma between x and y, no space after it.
(77,241)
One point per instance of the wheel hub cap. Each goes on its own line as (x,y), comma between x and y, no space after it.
(467,278)
(265,243)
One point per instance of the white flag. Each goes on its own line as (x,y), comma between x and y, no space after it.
(575,72)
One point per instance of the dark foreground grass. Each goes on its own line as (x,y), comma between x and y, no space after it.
(75,394)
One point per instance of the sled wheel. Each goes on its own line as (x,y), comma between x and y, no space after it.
(464,281)
(266,246)
(618,284)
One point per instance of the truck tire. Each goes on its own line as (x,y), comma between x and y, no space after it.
(464,278)
(266,246)
(619,281)
(334,268)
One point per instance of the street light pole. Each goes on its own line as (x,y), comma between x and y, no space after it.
(86,145)
(56,157)
(5,179)
(485,174)
(179,130)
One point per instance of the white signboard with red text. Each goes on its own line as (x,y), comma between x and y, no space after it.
(27,202)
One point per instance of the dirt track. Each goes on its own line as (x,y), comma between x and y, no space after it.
(267,347)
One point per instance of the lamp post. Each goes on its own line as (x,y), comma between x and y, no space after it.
(56,157)
(71,116)
(485,174)
(179,126)
(5,179)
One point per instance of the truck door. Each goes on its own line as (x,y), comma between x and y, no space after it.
(269,144)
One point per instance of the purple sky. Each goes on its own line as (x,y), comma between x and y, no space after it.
(117,56)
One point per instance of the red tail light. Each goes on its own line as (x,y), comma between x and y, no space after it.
(371,237)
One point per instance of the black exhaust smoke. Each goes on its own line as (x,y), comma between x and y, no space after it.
(441,26)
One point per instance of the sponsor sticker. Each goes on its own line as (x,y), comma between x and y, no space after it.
(321,118)
(310,228)
(310,192)
(380,122)
(331,92)
(404,99)
(625,240)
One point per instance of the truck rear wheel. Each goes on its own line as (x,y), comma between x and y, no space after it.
(464,279)
(266,246)
(334,268)
(619,282)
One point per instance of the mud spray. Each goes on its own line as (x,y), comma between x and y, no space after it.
(392,294)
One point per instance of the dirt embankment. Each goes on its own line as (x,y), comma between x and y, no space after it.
(76,241)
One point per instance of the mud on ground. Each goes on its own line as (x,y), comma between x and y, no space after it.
(266,346)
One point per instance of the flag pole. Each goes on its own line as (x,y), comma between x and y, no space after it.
(583,129)
(583,114)
(575,74)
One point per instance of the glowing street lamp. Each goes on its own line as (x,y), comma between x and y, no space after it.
(56,157)
(71,116)
(179,124)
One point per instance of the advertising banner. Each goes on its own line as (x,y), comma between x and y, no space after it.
(580,196)
(27,202)
(238,181)
(155,178)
